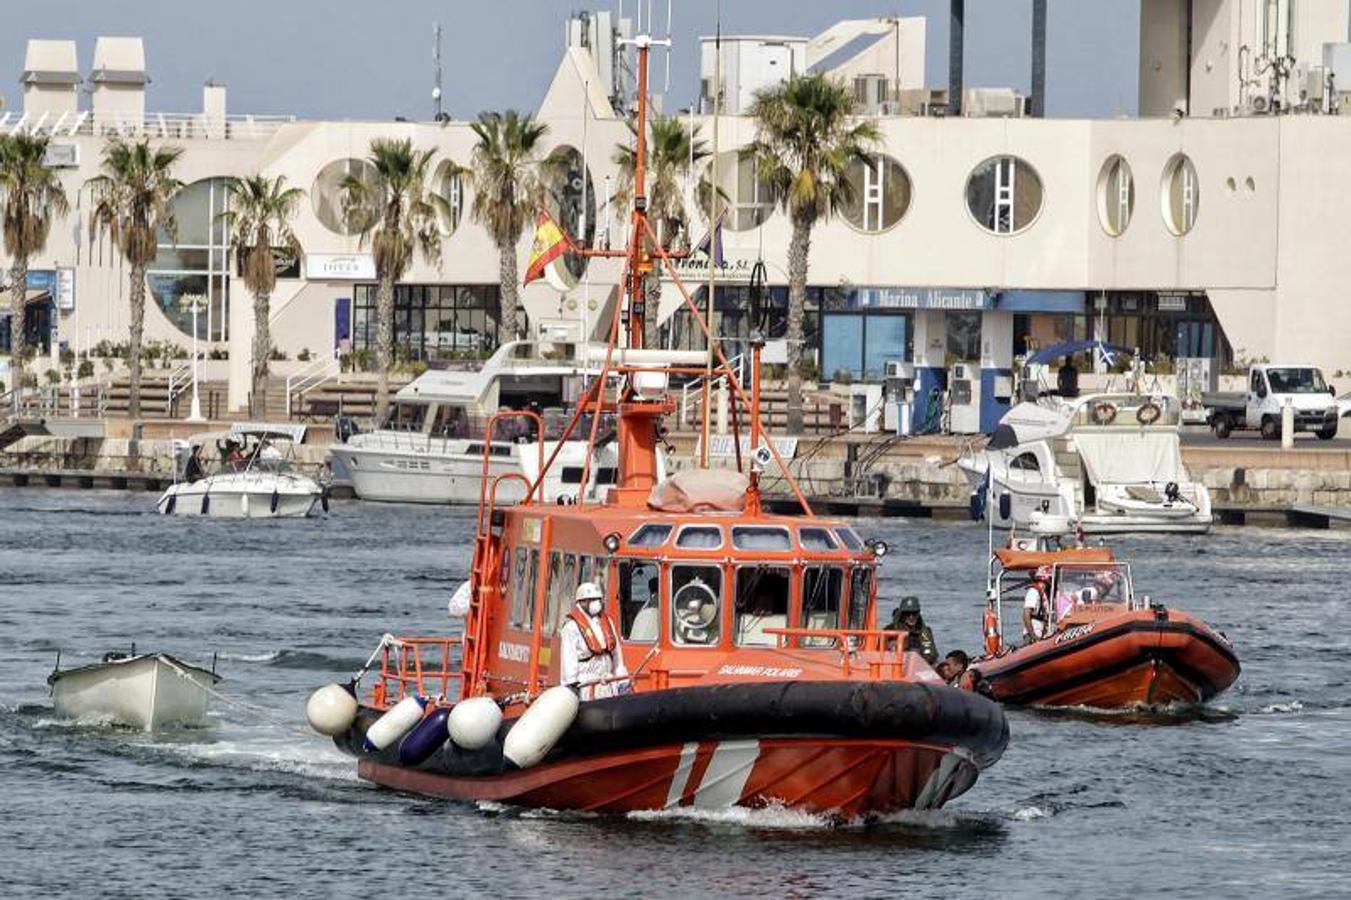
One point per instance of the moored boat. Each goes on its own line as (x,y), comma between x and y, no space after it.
(1106,647)
(754,671)
(253,480)
(146,691)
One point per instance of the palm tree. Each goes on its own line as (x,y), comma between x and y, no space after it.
(672,152)
(133,202)
(807,138)
(32,196)
(259,219)
(397,212)
(508,189)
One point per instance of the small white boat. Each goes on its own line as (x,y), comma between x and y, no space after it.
(253,480)
(146,691)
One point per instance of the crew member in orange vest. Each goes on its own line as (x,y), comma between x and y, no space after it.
(590,647)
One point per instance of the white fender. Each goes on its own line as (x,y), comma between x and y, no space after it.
(244,504)
(332,709)
(458,607)
(397,721)
(536,732)
(473,723)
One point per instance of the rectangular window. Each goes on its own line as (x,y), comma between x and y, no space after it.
(822,587)
(519,589)
(761,603)
(696,605)
(528,608)
(963,330)
(554,593)
(859,596)
(885,340)
(639,600)
(841,345)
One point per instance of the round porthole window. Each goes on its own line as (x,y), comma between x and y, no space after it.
(1116,196)
(1004,195)
(1181,195)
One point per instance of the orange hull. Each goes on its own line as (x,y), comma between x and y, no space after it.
(1139,658)
(848,777)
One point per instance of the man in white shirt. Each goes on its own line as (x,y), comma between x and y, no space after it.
(590,647)
(1037,606)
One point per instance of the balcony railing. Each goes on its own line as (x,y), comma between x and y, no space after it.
(175,126)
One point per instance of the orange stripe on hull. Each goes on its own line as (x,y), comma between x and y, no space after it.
(843,777)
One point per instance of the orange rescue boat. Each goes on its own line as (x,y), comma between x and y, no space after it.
(1106,647)
(757,675)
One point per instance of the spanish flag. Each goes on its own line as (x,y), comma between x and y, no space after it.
(549,246)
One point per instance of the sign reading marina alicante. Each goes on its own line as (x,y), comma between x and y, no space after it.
(955,299)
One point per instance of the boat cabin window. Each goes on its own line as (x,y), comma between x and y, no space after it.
(1082,585)
(849,537)
(759,538)
(639,600)
(523,596)
(562,589)
(761,602)
(699,537)
(822,591)
(601,475)
(1025,462)
(817,539)
(650,536)
(859,593)
(696,604)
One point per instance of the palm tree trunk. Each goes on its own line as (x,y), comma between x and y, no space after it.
(18,275)
(508,275)
(262,350)
(384,341)
(136,299)
(798,249)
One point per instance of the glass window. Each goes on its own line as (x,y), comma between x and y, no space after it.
(822,589)
(649,535)
(749,200)
(528,606)
(881,194)
(326,195)
(1004,194)
(700,537)
(758,538)
(194,270)
(963,331)
(841,340)
(1181,195)
(761,602)
(696,604)
(884,341)
(817,539)
(1026,462)
(520,588)
(1116,195)
(639,601)
(432,322)
(449,183)
(849,537)
(859,594)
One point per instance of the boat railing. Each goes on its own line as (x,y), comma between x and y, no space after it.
(429,666)
(885,649)
(691,393)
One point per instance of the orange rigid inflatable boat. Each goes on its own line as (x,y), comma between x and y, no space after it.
(1106,648)
(756,674)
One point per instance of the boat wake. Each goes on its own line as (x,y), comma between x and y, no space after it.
(318,760)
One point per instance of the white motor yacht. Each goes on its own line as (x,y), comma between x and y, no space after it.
(253,478)
(431,447)
(146,691)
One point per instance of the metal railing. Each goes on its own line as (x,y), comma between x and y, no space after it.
(425,666)
(178,126)
(319,371)
(180,379)
(691,394)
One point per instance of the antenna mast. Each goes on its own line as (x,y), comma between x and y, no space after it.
(437,115)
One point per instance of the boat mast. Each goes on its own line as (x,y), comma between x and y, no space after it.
(712,237)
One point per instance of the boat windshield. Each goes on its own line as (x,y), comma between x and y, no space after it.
(1090,584)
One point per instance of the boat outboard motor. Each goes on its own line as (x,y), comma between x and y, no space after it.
(1172,492)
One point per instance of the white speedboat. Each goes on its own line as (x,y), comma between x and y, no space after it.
(1107,463)
(252,480)
(431,447)
(146,691)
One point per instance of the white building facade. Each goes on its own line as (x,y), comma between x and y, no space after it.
(974,240)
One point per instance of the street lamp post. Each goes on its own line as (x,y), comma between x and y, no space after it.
(195,414)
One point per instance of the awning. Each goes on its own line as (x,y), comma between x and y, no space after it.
(1042,301)
(1069,348)
(1131,458)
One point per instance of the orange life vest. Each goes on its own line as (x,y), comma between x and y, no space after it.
(608,632)
(992,641)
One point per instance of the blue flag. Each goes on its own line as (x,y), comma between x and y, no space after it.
(713,238)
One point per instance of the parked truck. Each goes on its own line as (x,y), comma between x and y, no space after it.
(1271,388)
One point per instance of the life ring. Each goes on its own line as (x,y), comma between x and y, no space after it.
(1103,413)
(1148,413)
(992,641)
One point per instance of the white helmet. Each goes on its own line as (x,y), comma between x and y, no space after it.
(589,590)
